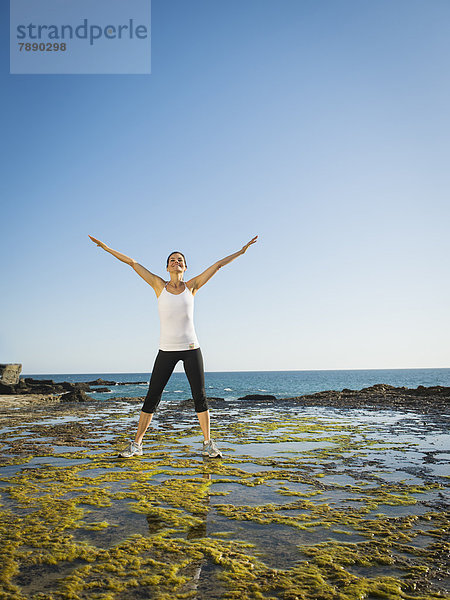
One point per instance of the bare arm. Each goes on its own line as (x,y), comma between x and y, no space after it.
(156,282)
(196,283)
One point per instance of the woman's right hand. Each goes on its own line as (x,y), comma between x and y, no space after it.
(98,242)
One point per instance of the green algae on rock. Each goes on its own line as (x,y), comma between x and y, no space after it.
(156,527)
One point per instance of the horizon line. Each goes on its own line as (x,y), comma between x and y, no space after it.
(255,371)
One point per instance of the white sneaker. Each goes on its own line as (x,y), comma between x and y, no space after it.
(210,449)
(131,450)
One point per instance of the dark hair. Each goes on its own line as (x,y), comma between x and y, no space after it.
(176,252)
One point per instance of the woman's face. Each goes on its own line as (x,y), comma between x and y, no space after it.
(176,263)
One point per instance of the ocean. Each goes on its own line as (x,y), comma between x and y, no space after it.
(282,384)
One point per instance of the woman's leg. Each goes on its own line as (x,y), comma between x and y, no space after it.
(162,370)
(193,367)
(144,421)
(203,419)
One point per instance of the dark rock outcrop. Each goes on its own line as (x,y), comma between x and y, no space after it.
(258,397)
(75,396)
(31,381)
(7,389)
(106,382)
(28,385)
(208,398)
(79,385)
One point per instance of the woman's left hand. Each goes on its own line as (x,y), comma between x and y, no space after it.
(252,241)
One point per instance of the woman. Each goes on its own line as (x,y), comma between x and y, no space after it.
(178,340)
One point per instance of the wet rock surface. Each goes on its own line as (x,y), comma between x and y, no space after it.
(308,502)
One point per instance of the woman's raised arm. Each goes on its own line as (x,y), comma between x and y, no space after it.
(154,280)
(122,257)
(196,282)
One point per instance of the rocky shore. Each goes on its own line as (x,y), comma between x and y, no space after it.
(28,390)
(15,391)
(424,399)
(380,396)
(28,385)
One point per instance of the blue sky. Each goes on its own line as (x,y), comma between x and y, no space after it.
(321,126)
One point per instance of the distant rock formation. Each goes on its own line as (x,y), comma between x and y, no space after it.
(9,373)
(101,382)
(14,385)
(106,382)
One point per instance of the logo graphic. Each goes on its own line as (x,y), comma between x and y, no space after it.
(80,37)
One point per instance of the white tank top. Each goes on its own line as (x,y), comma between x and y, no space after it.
(176,315)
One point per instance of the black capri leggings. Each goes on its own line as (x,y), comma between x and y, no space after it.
(162,370)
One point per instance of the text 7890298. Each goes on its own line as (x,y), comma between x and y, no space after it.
(42,47)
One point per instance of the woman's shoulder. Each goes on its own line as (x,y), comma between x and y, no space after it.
(160,288)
